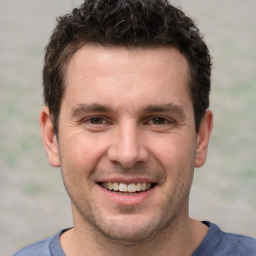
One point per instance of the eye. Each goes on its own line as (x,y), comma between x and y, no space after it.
(158,120)
(96,120)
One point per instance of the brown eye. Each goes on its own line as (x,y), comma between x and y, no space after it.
(97,120)
(159,120)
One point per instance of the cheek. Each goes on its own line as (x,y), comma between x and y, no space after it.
(81,152)
(174,149)
(176,156)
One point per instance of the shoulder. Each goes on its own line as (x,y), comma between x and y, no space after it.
(238,244)
(218,243)
(41,248)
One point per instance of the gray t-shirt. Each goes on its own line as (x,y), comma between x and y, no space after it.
(215,243)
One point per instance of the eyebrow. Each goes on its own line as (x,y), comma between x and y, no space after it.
(172,108)
(85,108)
(154,108)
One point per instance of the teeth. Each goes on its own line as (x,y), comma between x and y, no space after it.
(138,187)
(127,194)
(115,186)
(123,187)
(130,188)
(110,185)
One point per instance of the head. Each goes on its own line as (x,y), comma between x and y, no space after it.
(126,87)
(129,24)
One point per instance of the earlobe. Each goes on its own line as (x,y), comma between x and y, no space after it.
(203,137)
(49,137)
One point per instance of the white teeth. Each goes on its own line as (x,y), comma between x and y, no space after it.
(132,188)
(110,185)
(128,188)
(123,187)
(115,186)
(138,187)
(143,186)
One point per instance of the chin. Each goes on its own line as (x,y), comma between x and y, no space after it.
(130,229)
(131,235)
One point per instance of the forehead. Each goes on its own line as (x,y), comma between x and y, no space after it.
(153,58)
(158,74)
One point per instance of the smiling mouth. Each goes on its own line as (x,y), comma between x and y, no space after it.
(127,189)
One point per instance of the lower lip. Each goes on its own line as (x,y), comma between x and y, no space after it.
(126,199)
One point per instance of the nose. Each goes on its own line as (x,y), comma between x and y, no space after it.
(127,147)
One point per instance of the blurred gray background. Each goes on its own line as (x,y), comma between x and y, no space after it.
(34,204)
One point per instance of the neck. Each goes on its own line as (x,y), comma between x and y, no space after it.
(83,239)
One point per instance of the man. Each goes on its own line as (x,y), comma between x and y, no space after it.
(126,89)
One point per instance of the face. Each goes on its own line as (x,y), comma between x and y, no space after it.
(127,144)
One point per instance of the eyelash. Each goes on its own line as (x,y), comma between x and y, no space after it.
(94,118)
(99,121)
(163,120)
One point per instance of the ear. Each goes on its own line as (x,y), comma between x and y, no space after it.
(203,137)
(49,137)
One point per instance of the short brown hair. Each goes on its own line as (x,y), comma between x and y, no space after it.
(126,23)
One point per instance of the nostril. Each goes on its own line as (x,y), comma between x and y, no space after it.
(127,159)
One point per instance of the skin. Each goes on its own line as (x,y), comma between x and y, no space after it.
(127,116)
